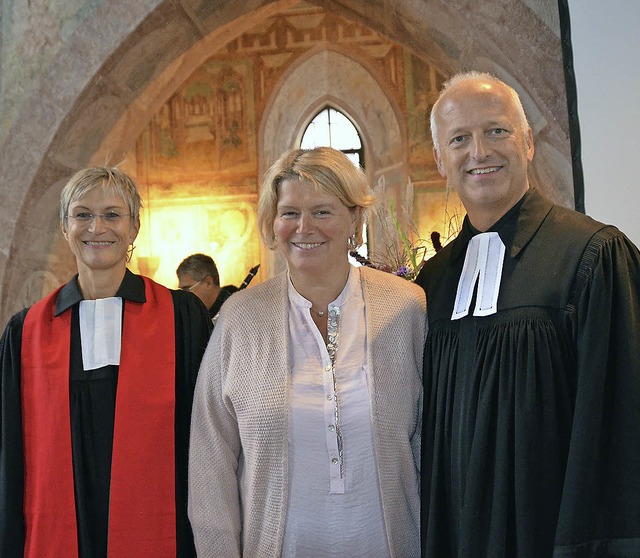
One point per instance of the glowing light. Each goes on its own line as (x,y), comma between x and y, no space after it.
(225,229)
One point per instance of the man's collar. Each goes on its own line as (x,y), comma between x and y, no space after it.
(131,288)
(516,227)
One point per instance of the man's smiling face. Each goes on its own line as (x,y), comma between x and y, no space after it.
(484,150)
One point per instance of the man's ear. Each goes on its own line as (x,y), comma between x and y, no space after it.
(530,148)
(439,163)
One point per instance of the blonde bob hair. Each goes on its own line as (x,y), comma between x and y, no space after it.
(324,168)
(113,180)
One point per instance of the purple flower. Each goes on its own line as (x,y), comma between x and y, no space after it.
(402,271)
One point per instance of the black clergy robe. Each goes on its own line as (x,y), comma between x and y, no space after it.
(92,406)
(531,432)
(223,295)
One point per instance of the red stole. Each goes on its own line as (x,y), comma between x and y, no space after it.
(142,509)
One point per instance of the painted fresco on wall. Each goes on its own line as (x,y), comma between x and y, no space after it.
(202,143)
(207,126)
(224,228)
(422,83)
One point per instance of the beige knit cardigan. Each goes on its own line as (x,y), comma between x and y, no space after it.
(238,459)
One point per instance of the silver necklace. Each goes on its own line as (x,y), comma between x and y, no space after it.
(332,347)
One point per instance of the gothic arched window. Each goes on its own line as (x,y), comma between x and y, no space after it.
(331,127)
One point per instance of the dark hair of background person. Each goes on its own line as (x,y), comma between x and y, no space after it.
(199,266)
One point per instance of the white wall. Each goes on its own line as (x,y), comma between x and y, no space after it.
(606,50)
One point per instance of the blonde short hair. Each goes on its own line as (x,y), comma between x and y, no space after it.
(111,179)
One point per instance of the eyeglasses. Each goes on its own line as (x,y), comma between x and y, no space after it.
(108,218)
(190,287)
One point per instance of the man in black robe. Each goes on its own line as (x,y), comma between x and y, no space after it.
(531,444)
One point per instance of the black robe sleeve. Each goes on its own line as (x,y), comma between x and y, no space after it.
(12,527)
(193,328)
(600,506)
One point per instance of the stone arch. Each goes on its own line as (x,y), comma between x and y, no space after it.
(334,77)
(103,79)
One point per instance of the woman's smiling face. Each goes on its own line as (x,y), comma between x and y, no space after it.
(312,228)
(95,244)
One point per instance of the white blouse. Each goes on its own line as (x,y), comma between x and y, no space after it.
(334,506)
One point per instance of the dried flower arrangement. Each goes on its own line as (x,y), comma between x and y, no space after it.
(401,250)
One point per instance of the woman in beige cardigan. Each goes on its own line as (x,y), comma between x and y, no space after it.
(305,433)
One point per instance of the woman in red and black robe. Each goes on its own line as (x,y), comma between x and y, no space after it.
(96,388)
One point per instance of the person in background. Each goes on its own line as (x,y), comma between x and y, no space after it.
(198,273)
(96,385)
(306,422)
(532,362)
